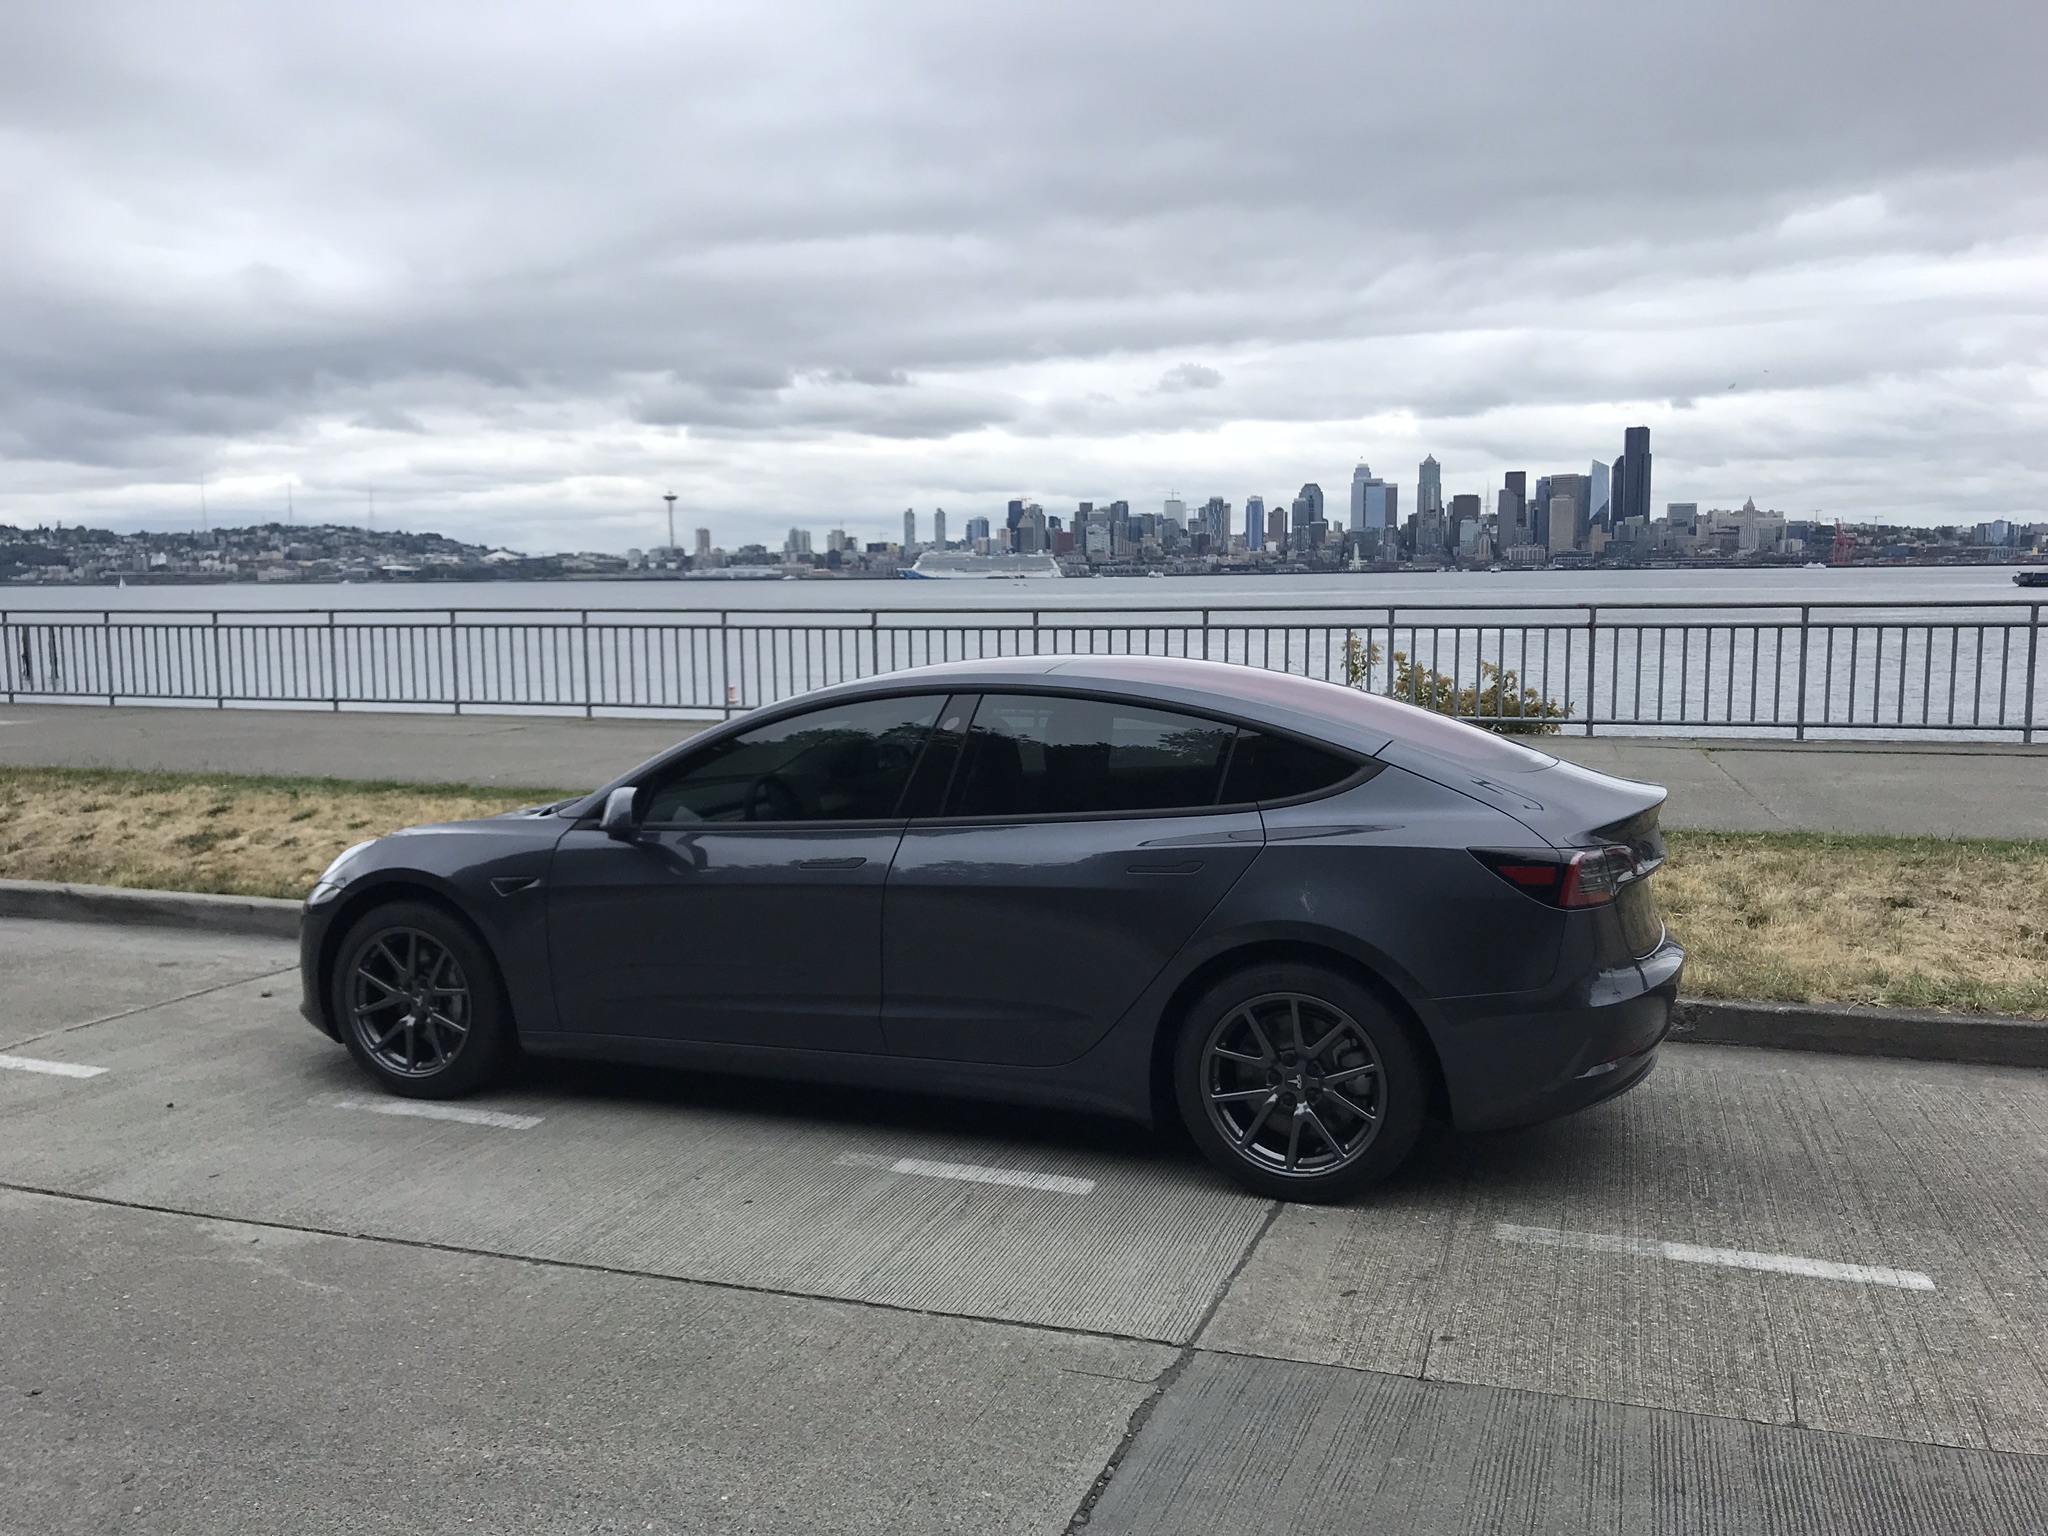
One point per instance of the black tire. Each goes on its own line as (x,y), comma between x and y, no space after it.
(419,1002)
(1291,1124)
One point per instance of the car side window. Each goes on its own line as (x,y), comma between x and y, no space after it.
(846,762)
(1267,768)
(1039,755)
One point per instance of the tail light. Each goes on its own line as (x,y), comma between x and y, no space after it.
(1557,879)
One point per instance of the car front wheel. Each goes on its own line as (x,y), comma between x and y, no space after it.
(1299,1083)
(418,1001)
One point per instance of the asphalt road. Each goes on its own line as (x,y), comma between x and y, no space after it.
(239,1291)
(1937,789)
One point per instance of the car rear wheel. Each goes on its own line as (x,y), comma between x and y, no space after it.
(1299,1083)
(419,1002)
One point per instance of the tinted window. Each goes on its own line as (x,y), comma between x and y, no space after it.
(846,763)
(1031,755)
(1279,768)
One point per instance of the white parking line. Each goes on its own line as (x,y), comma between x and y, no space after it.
(418,1110)
(54,1068)
(1729,1258)
(972,1173)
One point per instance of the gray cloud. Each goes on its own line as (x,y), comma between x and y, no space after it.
(794,257)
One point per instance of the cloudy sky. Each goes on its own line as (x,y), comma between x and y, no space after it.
(524,267)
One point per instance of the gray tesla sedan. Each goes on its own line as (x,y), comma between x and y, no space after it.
(1298,916)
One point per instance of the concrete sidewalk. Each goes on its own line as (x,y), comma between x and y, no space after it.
(1938,789)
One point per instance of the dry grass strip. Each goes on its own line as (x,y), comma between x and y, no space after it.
(207,832)
(1905,922)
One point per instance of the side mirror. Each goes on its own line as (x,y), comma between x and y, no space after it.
(616,820)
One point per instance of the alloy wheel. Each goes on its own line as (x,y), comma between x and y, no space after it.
(408,1002)
(1293,1084)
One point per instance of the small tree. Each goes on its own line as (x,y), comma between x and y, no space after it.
(1498,701)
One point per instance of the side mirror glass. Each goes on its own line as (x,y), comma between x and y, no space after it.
(617,818)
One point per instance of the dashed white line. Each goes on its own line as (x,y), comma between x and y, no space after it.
(54,1068)
(971,1173)
(418,1110)
(1727,1258)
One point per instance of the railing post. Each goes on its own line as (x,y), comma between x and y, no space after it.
(219,692)
(588,690)
(874,642)
(1205,634)
(2033,647)
(1805,620)
(725,665)
(333,664)
(7,639)
(1034,631)
(107,652)
(454,662)
(1592,669)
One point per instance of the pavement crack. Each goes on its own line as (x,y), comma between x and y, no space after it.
(129,1013)
(1713,760)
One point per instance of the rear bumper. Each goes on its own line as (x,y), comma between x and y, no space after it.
(1520,1065)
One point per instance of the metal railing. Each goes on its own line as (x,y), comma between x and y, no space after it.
(1817,669)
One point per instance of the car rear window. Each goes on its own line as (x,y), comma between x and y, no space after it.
(1267,768)
(1039,755)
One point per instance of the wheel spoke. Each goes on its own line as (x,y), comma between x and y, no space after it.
(1294,1135)
(1328,1040)
(1241,1093)
(1294,1018)
(1256,1061)
(1349,1073)
(1350,1103)
(1266,1052)
(1308,1113)
(1245,1136)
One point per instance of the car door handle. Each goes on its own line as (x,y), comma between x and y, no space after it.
(831,863)
(1185,867)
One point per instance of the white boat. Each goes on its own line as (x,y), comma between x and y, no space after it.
(957,565)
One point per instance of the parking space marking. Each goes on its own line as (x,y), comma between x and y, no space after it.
(54,1068)
(419,1110)
(972,1173)
(1728,1258)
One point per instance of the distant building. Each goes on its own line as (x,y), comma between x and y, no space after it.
(798,542)
(1630,493)
(909,529)
(977,529)
(1307,508)
(1375,505)
(1429,486)
(1577,489)
(1215,517)
(1563,514)
(1276,529)
(1255,522)
(939,527)
(1599,505)
(1463,535)
(703,543)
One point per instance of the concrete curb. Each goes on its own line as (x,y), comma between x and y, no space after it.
(261,916)
(1915,1034)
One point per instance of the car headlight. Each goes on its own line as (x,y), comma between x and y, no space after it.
(331,880)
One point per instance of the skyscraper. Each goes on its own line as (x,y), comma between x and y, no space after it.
(1512,511)
(977,528)
(1255,522)
(1631,495)
(1308,506)
(939,527)
(1215,517)
(1597,499)
(1276,530)
(1563,513)
(1576,489)
(703,543)
(1429,486)
(909,527)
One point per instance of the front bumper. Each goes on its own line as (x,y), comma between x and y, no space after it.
(1515,1065)
(314,925)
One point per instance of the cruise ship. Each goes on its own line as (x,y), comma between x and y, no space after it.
(956,565)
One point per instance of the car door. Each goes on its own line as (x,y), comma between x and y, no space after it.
(746,908)
(1080,845)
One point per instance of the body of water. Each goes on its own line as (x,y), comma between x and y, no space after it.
(1490,590)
